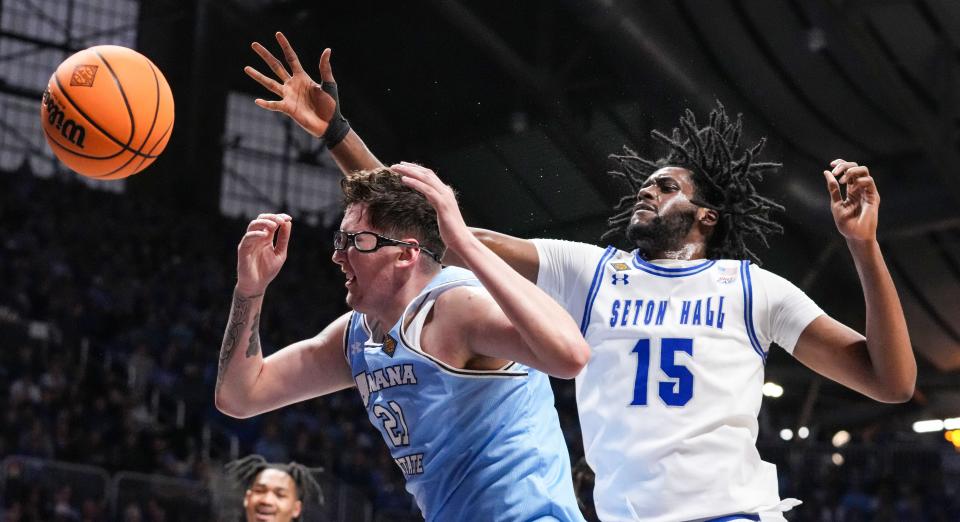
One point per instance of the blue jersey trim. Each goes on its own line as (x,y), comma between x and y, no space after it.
(748,309)
(594,288)
(731,518)
(663,271)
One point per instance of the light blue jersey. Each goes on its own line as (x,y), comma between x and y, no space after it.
(472,445)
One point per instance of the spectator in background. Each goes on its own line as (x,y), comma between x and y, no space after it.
(279,491)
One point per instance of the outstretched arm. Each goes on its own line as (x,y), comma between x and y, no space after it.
(314,106)
(880,365)
(248,384)
(529,326)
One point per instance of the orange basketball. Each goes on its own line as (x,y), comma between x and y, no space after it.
(107,112)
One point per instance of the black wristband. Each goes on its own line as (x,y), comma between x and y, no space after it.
(338,126)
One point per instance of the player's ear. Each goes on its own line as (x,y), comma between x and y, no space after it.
(708,216)
(297,508)
(408,255)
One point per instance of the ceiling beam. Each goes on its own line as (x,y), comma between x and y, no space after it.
(856,49)
(544,91)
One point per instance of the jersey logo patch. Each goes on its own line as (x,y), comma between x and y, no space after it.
(726,275)
(389,345)
(356,347)
(619,267)
(625,279)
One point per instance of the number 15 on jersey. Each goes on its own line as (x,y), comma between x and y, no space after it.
(677,389)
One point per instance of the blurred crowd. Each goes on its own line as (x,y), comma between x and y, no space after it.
(111,317)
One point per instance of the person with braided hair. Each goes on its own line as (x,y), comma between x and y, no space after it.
(680,324)
(273,491)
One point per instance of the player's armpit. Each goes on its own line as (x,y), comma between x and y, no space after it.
(300,371)
(520,254)
(839,353)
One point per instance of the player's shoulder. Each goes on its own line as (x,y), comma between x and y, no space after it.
(462,298)
(762,277)
(461,310)
(575,250)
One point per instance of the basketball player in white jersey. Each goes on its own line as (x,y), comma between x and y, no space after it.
(681,325)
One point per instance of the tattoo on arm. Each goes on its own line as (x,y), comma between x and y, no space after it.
(253,348)
(238,318)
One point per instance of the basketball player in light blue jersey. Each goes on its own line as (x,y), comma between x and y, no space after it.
(680,326)
(453,375)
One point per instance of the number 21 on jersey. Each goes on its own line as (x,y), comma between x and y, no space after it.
(677,390)
(393,423)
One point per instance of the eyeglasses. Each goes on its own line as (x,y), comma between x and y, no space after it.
(371,242)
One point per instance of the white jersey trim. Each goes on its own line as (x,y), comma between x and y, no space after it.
(414,348)
(662,271)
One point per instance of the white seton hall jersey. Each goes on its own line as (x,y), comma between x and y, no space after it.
(669,400)
(472,445)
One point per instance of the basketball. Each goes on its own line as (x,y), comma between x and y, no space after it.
(107,112)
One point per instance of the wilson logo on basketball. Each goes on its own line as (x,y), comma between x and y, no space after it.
(69,129)
(83,75)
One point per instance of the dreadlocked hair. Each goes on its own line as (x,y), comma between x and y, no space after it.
(724,173)
(244,471)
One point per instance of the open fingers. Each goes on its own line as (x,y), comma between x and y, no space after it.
(268,83)
(270,105)
(271,61)
(289,54)
(326,71)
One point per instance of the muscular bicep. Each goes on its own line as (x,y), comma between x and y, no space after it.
(304,370)
(520,254)
(837,352)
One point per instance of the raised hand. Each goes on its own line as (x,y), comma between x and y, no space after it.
(855,212)
(301,98)
(453,229)
(258,259)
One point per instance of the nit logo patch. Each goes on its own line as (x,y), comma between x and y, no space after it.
(83,75)
(727,275)
(620,267)
(389,345)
